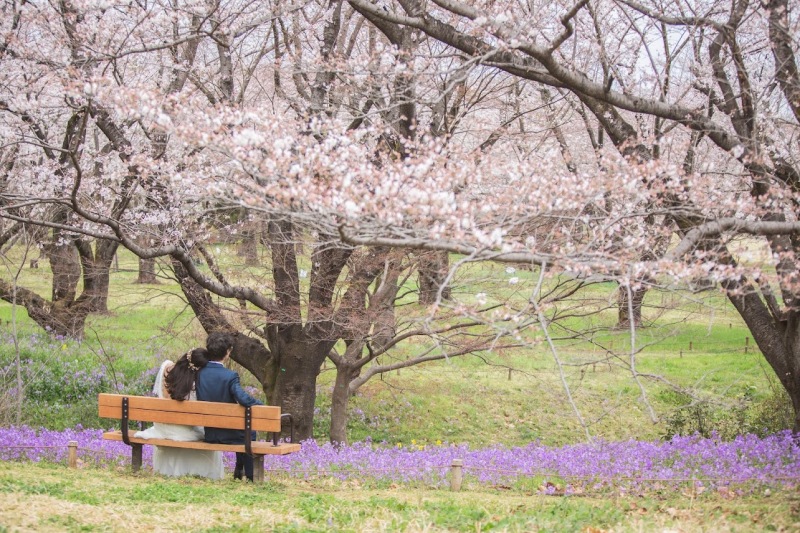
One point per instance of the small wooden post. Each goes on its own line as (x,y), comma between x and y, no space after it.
(72,454)
(509,374)
(258,468)
(690,346)
(456,474)
(680,354)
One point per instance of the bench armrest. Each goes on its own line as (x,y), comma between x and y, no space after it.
(276,435)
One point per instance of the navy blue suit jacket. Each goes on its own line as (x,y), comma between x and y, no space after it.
(215,383)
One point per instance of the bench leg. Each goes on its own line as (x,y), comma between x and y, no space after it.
(258,468)
(136,457)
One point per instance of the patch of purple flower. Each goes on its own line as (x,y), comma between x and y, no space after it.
(630,465)
(23,443)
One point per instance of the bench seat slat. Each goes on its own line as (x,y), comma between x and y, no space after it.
(189,419)
(258,447)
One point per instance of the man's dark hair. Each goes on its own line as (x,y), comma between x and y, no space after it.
(218,344)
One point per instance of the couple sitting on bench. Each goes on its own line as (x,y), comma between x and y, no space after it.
(200,375)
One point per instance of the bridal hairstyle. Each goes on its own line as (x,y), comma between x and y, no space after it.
(181,377)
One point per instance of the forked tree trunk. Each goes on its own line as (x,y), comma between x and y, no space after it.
(288,366)
(287,371)
(63,315)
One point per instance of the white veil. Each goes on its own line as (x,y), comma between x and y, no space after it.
(158,387)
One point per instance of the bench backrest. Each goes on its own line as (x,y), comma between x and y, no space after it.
(190,413)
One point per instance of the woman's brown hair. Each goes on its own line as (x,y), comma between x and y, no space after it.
(180,379)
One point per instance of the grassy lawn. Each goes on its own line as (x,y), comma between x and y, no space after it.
(47,497)
(692,343)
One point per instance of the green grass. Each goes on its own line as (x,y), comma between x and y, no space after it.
(47,497)
(508,397)
(694,341)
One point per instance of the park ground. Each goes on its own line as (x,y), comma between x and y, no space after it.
(50,497)
(509,398)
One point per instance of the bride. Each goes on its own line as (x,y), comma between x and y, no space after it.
(176,380)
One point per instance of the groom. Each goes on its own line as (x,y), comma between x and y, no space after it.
(215,383)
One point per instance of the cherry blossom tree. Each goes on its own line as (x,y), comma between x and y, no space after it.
(718,80)
(48,53)
(161,102)
(347,135)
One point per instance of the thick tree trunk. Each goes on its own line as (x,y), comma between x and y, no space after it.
(784,358)
(96,281)
(778,340)
(147,267)
(296,384)
(96,265)
(287,369)
(66,268)
(624,316)
(433,269)
(147,272)
(248,248)
(65,315)
(339,402)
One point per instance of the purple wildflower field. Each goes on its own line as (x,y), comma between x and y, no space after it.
(745,463)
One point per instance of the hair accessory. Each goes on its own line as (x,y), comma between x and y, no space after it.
(192,366)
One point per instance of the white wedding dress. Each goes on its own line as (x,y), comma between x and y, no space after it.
(176,461)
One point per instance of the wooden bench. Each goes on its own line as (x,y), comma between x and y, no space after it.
(195,413)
